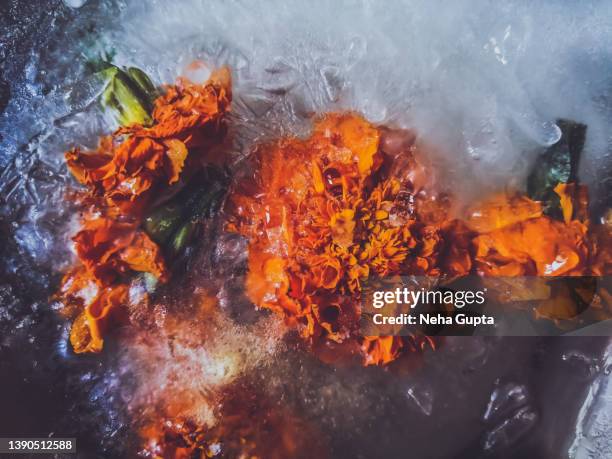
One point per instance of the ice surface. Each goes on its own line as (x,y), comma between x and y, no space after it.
(593,437)
(510,430)
(483,85)
(505,398)
(423,398)
(511,414)
(482,82)
(583,365)
(188,360)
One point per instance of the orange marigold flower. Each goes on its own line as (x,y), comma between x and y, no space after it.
(601,257)
(502,211)
(517,240)
(325,213)
(128,165)
(109,251)
(120,177)
(540,246)
(574,201)
(381,349)
(249,426)
(322,215)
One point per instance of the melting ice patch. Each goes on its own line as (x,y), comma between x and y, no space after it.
(183,364)
(485,83)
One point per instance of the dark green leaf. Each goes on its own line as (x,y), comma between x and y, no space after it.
(163,221)
(173,224)
(181,239)
(144,83)
(557,164)
(129,94)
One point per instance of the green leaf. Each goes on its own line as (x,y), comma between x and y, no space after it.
(163,221)
(128,93)
(557,164)
(99,61)
(181,238)
(143,82)
(134,106)
(209,188)
(173,224)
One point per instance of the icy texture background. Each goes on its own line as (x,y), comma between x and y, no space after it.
(592,437)
(482,81)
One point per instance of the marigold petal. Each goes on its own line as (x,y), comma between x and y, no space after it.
(86,334)
(381,350)
(143,255)
(567,205)
(175,159)
(502,211)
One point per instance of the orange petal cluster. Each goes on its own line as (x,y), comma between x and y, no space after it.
(135,162)
(249,426)
(322,215)
(325,213)
(527,243)
(121,176)
(515,239)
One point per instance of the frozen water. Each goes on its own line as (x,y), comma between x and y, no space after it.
(482,83)
(510,430)
(479,82)
(423,398)
(581,364)
(593,438)
(505,399)
(180,361)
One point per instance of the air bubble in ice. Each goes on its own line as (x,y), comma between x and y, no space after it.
(279,78)
(332,82)
(84,92)
(581,364)
(422,396)
(509,431)
(505,399)
(74,3)
(551,133)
